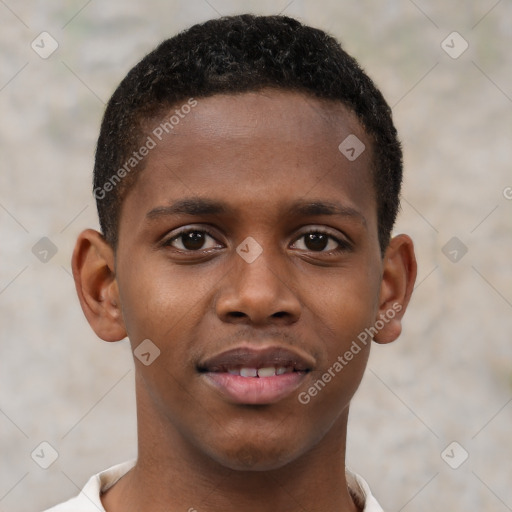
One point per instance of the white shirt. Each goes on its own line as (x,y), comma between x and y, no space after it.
(89,499)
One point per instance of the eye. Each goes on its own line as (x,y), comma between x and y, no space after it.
(318,241)
(192,240)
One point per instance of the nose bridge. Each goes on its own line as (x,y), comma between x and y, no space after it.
(258,275)
(256,288)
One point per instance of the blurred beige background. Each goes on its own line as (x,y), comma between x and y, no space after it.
(449,377)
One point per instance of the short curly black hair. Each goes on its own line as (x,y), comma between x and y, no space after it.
(239,54)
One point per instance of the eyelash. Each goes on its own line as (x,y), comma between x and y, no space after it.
(176,236)
(343,245)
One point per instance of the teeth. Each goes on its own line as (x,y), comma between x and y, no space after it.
(266,372)
(248,372)
(269,371)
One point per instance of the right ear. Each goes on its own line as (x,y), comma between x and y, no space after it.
(96,285)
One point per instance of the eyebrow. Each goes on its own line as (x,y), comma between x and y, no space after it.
(189,206)
(198,206)
(315,208)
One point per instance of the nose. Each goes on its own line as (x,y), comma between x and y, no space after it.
(257,293)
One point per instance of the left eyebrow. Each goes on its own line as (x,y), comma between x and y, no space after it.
(313,208)
(188,206)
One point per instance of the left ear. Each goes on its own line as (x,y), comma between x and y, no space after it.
(96,285)
(398,278)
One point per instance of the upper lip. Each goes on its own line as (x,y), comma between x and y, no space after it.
(252,357)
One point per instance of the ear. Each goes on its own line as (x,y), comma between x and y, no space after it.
(398,278)
(96,285)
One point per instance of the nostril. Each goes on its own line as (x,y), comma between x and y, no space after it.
(237,314)
(280,314)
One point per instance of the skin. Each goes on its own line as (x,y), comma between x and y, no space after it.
(259,154)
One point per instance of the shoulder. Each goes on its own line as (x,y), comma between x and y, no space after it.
(361,493)
(89,499)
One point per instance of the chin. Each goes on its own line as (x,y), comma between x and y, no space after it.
(251,457)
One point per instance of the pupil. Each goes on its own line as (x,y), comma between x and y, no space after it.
(316,241)
(193,240)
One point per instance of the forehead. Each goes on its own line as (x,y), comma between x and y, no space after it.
(255,150)
(258,117)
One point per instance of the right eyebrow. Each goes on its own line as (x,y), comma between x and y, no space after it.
(333,208)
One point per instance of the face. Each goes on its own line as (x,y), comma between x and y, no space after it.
(248,254)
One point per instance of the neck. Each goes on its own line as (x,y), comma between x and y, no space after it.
(172,475)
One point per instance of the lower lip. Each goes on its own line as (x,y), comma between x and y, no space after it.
(255,390)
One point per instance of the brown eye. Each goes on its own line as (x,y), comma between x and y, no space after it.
(192,240)
(316,241)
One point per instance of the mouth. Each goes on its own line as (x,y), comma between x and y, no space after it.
(246,375)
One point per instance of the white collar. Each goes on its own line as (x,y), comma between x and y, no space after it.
(89,499)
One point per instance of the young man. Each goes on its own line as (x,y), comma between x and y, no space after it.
(247,179)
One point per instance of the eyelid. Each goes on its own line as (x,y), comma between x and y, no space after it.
(344,242)
(176,233)
(314,228)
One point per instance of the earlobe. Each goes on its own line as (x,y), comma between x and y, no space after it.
(398,278)
(96,285)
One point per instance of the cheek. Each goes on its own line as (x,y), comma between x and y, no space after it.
(344,341)
(158,301)
(146,303)
(161,305)
(341,309)
(342,303)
